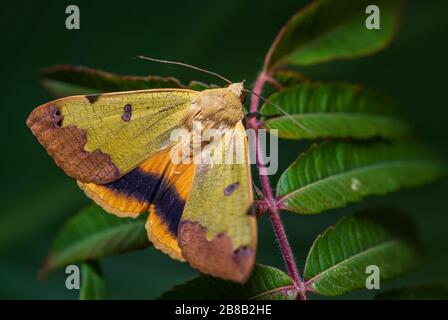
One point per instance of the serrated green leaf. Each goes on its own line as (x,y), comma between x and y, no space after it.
(94,233)
(338,110)
(65,80)
(332,174)
(421,292)
(93,284)
(265,283)
(338,259)
(333,29)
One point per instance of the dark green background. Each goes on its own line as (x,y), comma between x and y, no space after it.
(230,37)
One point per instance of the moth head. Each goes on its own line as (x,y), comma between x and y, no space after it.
(238,89)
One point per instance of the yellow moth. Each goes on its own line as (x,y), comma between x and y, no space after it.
(118,147)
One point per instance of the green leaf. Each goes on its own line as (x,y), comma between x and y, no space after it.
(65,80)
(93,285)
(332,174)
(337,261)
(265,283)
(93,233)
(338,110)
(333,29)
(421,292)
(287,78)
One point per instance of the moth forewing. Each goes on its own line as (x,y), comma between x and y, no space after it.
(217,232)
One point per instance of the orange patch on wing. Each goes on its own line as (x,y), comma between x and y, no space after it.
(161,237)
(119,204)
(157,185)
(180,176)
(168,204)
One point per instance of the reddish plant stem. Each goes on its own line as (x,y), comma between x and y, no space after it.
(271,202)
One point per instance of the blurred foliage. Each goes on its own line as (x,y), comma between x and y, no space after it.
(92,234)
(265,283)
(333,29)
(64,80)
(38,197)
(93,285)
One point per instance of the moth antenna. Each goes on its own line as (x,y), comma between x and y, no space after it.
(188,66)
(279,108)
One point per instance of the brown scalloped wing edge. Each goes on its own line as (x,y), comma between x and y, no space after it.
(216,257)
(66,146)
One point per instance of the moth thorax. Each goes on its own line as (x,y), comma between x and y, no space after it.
(216,108)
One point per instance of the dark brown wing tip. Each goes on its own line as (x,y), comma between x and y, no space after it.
(66,145)
(216,257)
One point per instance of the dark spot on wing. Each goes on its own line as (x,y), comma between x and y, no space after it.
(243,252)
(53,110)
(231,188)
(127,113)
(93,97)
(55,115)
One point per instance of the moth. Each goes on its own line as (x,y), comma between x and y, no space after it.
(118,148)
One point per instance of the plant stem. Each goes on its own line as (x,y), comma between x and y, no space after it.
(272,205)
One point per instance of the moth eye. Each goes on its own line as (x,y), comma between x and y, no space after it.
(243,97)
